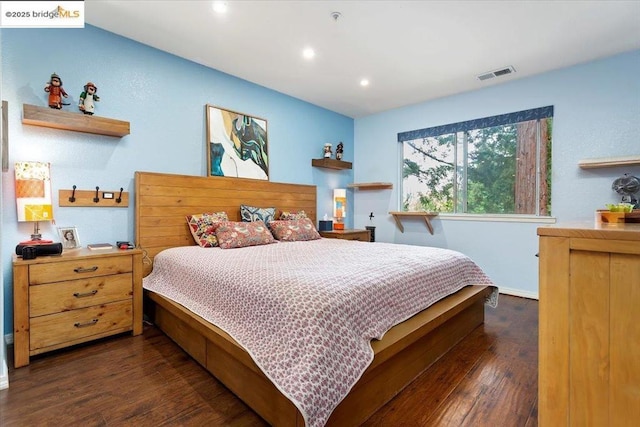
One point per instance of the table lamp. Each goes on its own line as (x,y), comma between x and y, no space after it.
(33,197)
(339,208)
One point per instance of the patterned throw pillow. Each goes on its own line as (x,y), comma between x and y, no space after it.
(241,234)
(294,230)
(203,227)
(289,216)
(252,213)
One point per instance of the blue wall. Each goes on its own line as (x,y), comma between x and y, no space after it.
(597,111)
(596,114)
(163,97)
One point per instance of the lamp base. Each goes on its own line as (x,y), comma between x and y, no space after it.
(36,237)
(37,242)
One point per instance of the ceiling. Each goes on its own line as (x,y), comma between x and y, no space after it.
(410,51)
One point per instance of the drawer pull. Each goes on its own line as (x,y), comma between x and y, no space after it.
(86,270)
(85,294)
(84,325)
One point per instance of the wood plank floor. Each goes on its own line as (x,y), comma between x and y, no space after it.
(488,379)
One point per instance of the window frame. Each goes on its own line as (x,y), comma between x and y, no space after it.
(537,114)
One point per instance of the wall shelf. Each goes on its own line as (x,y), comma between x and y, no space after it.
(606,162)
(77,122)
(426,215)
(371,185)
(330,163)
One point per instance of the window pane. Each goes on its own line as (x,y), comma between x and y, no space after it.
(428,174)
(491,170)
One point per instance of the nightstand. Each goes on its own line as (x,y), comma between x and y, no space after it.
(360,235)
(79,296)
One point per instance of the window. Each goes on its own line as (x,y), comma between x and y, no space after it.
(494,165)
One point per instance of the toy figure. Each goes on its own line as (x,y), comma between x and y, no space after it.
(54,87)
(87,98)
(339,150)
(327,151)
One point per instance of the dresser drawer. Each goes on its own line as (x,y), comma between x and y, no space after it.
(74,326)
(70,295)
(78,269)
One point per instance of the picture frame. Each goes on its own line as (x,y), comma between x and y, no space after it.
(237,144)
(69,237)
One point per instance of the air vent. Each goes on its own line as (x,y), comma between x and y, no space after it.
(497,73)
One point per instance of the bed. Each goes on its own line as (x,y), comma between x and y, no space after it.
(162,203)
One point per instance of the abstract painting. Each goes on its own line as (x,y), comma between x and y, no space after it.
(236,144)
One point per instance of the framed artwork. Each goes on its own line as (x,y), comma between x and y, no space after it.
(236,144)
(69,237)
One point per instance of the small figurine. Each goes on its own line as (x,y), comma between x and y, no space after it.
(87,99)
(54,87)
(327,151)
(339,150)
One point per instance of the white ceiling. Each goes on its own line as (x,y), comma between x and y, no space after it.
(411,51)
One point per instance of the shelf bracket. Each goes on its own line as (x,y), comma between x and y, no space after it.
(425,215)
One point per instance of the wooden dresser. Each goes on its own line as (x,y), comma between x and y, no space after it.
(589,342)
(76,297)
(360,235)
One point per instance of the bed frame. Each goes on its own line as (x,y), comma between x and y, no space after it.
(163,201)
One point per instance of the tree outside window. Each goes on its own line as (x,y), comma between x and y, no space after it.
(475,169)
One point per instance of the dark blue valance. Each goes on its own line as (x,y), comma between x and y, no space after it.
(502,119)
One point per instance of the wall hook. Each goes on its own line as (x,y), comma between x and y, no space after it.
(72,199)
(96,199)
(119,199)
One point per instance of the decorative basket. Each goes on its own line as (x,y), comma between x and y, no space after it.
(618,217)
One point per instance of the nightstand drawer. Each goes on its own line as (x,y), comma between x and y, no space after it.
(360,235)
(64,296)
(78,269)
(74,326)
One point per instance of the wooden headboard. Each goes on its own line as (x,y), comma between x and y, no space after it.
(162,201)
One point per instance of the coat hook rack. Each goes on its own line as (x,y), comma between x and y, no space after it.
(93,198)
(72,199)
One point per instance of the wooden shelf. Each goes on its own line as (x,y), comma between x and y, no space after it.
(426,215)
(330,164)
(607,162)
(77,122)
(85,198)
(371,185)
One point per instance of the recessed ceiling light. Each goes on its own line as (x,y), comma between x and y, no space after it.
(220,6)
(308,53)
(364,82)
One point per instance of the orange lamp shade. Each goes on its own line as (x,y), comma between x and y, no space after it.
(339,208)
(33,191)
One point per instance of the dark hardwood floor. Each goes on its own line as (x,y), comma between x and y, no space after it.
(488,379)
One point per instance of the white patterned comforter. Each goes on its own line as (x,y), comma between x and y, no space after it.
(307,311)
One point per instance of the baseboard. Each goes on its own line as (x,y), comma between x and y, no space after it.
(4,375)
(519,293)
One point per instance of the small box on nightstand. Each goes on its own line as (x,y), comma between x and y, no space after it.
(325,225)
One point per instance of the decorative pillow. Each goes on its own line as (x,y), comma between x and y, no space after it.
(252,213)
(203,227)
(240,234)
(294,230)
(289,216)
